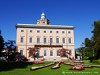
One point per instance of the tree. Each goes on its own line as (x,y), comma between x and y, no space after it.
(19,57)
(33,52)
(63,52)
(10,50)
(92,46)
(1,44)
(87,42)
(11,54)
(96,38)
(87,50)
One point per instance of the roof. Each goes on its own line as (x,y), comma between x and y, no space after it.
(43,26)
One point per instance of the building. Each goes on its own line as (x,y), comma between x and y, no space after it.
(50,38)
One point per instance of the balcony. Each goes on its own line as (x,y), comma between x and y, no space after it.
(48,44)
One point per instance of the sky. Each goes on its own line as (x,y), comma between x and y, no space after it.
(78,13)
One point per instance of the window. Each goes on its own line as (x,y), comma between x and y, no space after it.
(22,39)
(57,40)
(44,31)
(38,40)
(70,52)
(51,52)
(30,40)
(44,52)
(69,32)
(22,30)
(38,31)
(69,40)
(63,40)
(57,32)
(50,31)
(30,30)
(43,22)
(38,53)
(21,52)
(51,40)
(63,32)
(44,39)
(57,52)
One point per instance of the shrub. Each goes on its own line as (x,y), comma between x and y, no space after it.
(96,61)
(20,58)
(91,58)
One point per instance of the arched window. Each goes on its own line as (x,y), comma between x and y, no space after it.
(21,52)
(22,39)
(38,39)
(57,39)
(51,52)
(51,40)
(44,52)
(70,52)
(63,40)
(44,39)
(69,40)
(30,40)
(38,52)
(57,52)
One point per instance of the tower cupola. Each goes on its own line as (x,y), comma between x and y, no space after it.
(43,20)
(43,16)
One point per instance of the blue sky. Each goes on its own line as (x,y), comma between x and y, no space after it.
(79,13)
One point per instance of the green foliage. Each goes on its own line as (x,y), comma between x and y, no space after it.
(86,52)
(88,42)
(1,43)
(20,58)
(92,46)
(96,61)
(10,50)
(96,37)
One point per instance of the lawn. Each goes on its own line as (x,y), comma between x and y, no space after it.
(63,70)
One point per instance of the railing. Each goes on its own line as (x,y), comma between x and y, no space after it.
(42,43)
(47,43)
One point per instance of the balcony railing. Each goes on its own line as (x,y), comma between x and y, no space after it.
(42,43)
(48,43)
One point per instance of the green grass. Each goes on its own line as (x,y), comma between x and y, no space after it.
(90,63)
(63,70)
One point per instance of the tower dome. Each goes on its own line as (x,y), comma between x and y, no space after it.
(43,20)
(43,16)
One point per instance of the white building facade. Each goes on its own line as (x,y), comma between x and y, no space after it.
(49,38)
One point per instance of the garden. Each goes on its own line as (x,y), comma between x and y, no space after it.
(23,68)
